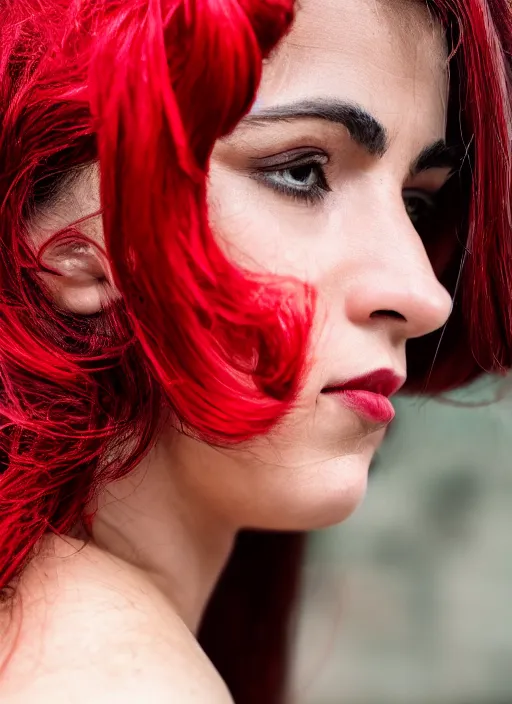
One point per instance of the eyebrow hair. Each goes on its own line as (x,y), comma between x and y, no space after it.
(363,128)
(438,155)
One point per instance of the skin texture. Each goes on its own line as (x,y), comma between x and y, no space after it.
(163,534)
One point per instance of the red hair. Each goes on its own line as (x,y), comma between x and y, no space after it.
(83,398)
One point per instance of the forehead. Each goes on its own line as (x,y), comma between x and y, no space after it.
(387,55)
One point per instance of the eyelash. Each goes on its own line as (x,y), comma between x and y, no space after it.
(428,204)
(308,194)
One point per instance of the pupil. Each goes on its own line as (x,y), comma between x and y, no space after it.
(302,174)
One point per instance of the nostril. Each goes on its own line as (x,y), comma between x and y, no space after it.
(388,314)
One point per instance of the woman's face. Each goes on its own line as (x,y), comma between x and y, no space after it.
(322,181)
(326,180)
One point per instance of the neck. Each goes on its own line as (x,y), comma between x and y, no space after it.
(149,520)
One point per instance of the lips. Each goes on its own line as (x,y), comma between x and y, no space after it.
(368,395)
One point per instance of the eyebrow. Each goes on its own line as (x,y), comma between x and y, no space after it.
(362,127)
(438,155)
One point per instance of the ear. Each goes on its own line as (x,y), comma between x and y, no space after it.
(82,282)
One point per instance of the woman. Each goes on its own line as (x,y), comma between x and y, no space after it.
(165,387)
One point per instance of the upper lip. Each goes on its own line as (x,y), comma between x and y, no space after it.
(381,381)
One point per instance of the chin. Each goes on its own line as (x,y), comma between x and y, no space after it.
(316,496)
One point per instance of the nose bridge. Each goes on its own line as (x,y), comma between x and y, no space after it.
(396,281)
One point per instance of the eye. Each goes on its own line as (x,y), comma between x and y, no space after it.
(419,205)
(304,177)
(303,180)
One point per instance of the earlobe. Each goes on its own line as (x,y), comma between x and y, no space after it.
(81,282)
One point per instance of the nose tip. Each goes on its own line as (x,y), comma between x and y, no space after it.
(411,305)
(428,307)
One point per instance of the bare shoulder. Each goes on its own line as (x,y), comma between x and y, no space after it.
(86,628)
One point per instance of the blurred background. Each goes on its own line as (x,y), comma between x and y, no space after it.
(410,600)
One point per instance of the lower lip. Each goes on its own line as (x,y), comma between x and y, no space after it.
(374,407)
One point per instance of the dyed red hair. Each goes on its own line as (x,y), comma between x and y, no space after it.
(146,87)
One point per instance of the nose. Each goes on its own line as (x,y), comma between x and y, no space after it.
(398,288)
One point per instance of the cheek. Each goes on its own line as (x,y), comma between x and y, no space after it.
(258,230)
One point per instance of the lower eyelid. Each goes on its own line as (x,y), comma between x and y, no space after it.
(304,196)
